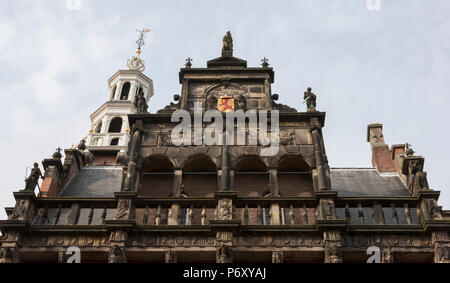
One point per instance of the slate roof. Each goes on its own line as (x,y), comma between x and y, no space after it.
(355,182)
(99,181)
(103,181)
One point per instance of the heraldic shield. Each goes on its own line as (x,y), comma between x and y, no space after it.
(225,104)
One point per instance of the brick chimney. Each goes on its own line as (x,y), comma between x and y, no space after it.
(381,155)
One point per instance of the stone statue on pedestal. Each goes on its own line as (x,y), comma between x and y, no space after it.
(140,102)
(227,49)
(310,100)
(32,181)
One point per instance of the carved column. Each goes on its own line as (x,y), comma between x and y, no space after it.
(323,178)
(332,246)
(441,244)
(130,179)
(17,221)
(224,253)
(277,257)
(387,256)
(171,257)
(184,94)
(173,218)
(268,93)
(226,182)
(118,90)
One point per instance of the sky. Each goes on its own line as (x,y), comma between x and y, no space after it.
(386,63)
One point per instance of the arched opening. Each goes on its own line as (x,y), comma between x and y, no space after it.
(115,141)
(251,178)
(125,91)
(156,177)
(116,125)
(200,177)
(98,128)
(295,177)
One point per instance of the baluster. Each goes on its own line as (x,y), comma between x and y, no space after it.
(291,215)
(259,216)
(58,215)
(158,216)
(91,215)
(146,212)
(407,214)
(361,213)
(348,215)
(190,216)
(270,216)
(204,216)
(103,217)
(45,216)
(305,215)
(394,213)
(246,215)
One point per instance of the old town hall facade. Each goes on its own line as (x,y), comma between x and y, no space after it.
(128,193)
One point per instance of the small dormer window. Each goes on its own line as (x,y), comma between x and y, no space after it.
(125,91)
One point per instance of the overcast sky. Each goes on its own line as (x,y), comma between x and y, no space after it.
(390,66)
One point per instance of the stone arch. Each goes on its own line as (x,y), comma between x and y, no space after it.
(124,94)
(194,156)
(295,176)
(200,176)
(156,175)
(251,176)
(115,126)
(212,100)
(235,161)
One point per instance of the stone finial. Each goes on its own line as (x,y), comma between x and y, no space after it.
(82,145)
(57,154)
(265,62)
(188,64)
(409,151)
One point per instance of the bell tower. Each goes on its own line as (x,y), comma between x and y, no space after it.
(109,128)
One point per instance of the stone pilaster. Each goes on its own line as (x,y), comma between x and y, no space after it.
(332,246)
(171,257)
(441,245)
(130,176)
(323,177)
(277,256)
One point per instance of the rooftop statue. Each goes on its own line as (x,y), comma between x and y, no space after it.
(310,100)
(227,49)
(140,102)
(32,180)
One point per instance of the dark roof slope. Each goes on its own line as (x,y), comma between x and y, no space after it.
(355,182)
(99,181)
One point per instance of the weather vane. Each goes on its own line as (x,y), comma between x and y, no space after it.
(140,42)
